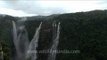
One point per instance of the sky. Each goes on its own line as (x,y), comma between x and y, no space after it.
(22,8)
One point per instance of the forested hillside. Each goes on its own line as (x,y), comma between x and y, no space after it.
(82,31)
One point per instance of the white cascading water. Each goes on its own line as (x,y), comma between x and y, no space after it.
(15,40)
(53,49)
(20,39)
(26,50)
(31,53)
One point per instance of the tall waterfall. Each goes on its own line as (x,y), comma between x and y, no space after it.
(15,40)
(31,54)
(56,32)
(28,50)
(20,39)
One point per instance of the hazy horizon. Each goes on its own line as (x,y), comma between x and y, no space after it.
(48,7)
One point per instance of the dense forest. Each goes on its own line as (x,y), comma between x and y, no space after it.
(82,31)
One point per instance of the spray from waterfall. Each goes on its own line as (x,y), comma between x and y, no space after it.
(53,49)
(20,39)
(34,44)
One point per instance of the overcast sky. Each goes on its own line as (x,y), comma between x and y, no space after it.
(48,7)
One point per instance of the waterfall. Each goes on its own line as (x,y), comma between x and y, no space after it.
(31,54)
(53,49)
(20,39)
(15,40)
(28,50)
